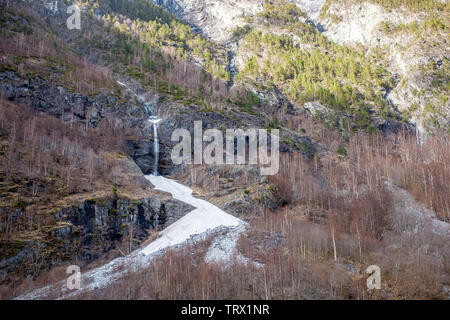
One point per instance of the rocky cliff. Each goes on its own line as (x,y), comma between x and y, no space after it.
(215,19)
(417,64)
(413,42)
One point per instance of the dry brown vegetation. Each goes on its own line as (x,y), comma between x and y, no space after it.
(29,47)
(183,274)
(423,170)
(44,146)
(44,161)
(348,195)
(299,267)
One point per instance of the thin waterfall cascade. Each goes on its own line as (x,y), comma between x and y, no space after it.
(155,120)
(147,109)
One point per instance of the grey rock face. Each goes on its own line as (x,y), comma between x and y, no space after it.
(57,101)
(109,217)
(142,153)
(213,18)
(94,227)
(185,117)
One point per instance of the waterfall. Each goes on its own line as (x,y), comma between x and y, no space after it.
(155,120)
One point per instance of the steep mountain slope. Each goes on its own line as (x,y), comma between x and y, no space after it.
(203,222)
(393,34)
(77,190)
(413,39)
(354,188)
(268,54)
(69,188)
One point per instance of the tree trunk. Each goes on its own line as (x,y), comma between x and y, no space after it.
(334,245)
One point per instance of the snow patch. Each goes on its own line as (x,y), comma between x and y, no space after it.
(205,217)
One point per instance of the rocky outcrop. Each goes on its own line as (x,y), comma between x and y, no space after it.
(222,120)
(46,97)
(109,216)
(317,110)
(91,228)
(405,55)
(311,7)
(215,19)
(349,23)
(143,154)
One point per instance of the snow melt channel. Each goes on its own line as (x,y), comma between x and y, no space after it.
(206,217)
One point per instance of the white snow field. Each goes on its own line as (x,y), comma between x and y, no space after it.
(205,217)
(195,226)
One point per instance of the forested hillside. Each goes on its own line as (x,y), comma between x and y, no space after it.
(412,38)
(294,56)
